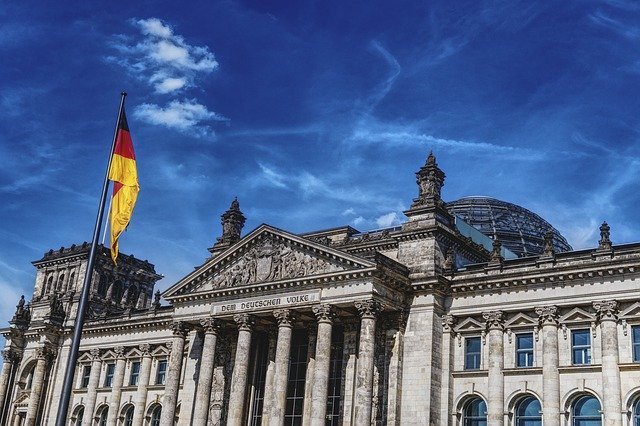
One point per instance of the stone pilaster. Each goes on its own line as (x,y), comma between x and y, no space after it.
(446,397)
(324,314)
(311,371)
(283,349)
(349,361)
(268,381)
(239,376)
(43,357)
(116,389)
(211,327)
(395,343)
(174,368)
(495,398)
(548,318)
(11,358)
(143,383)
(607,313)
(368,310)
(92,387)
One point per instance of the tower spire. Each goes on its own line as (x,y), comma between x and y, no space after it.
(430,180)
(232,223)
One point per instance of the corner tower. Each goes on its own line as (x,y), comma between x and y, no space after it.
(232,223)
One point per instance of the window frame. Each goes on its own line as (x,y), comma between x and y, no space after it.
(576,420)
(477,356)
(134,373)
(525,419)
(470,420)
(108,375)
(635,345)
(585,350)
(529,352)
(158,380)
(85,377)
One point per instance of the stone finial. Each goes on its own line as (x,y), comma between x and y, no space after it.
(23,314)
(324,312)
(606,310)
(449,265)
(156,301)
(211,325)
(430,180)
(448,322)
(548,249)
(232,222)
(367,308)
(547,315)
(605,237)
(284,317)
(180,328)
(494,320)
(245,321)
(496,253)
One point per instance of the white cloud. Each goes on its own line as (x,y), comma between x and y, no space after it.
(273,177)
(348,212)
(358,221)
(186,116)
(387,220)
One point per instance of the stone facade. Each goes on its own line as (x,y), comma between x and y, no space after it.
(413,325)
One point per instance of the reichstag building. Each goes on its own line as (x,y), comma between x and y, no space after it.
(472,312)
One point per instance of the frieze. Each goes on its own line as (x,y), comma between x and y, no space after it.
(266,303)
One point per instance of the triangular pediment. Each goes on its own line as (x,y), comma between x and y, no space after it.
(521,320)
(632,311)
(267,255)
(577,315)
(469,324)
(85,357)
(160,351)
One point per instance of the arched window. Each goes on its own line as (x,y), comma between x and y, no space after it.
(47,287)
(77,418)
(116,292)
(72,278)
(586,412)
(155,415)
(102,416)
(30,379)
(475,413)
(132,296)
(128,416)
(636,413)
(59,287)
(528,412)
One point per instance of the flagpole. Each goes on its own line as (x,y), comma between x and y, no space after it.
(106,225)
(63,406)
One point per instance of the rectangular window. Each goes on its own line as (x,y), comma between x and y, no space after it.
(108,378)
(581,346)
(524,350)
(472,352)
(86,373)
(161,372)
(135,373)
(635,332)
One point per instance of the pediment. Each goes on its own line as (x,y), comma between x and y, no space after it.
(469,324)
(109,355)
(160,351)
(85,357)
(521,320)
(632,311)
(134,353)
(267,255)
(577,315)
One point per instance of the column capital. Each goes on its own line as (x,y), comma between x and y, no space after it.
(119,350)
(245,321)
(145,348)
(179,328)
(547,315)
(44,353)
(95,354)
(11,355)
(324,313)
(367,308)
(448,322)
(284,317)
(606,310)
(211,325)
(494,320)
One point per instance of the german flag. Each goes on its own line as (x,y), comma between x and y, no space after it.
(124,175)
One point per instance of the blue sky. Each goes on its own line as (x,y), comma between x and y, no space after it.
(315,114)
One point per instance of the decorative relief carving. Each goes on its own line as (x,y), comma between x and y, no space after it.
(324,312)
(180,328)
(606,310)
(547,315)
(10,355)
(211,325)
(367,308)
(119,351)
(95,353)
(45,353)
(271,261)
(145,348)
(245,321)
(448,322)
(605,237)
(284,317)
(494,320)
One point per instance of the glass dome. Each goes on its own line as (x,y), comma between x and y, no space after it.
(519,229)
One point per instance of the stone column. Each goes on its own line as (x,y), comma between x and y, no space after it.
(43,356)
(174,369)
(143,383)
(325,314)
(349,361)
(116,388)
(268,380)
(446,392)
(92,387)
(281,376)
(548,318)
(311,371)
(607,312)
(495,395)
(368,310)
(239,376)
(10,358)
(211,327)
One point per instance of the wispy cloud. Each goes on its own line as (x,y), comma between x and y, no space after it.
(385,86)
(273,177)
(162,58)
(186,116)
